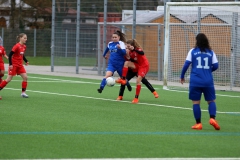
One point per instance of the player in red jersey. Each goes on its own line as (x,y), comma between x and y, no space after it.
(2,54)
(16,57)
(140,64)
(133,73)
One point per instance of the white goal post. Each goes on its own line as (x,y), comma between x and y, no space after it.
(220,21)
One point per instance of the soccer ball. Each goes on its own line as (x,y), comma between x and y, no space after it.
(110,81)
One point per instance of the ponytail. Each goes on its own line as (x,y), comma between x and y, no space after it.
(121,35)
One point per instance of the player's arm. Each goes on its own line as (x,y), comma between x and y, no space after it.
(105,52)
(5,55)
(139,51)
(25,60)
(214,62)
(10,58)
(184,69)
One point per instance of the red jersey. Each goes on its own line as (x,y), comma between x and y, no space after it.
(17,57)
(138,56)
(2,53)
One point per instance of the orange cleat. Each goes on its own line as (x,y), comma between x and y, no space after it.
(121,81)
(135,100)
(214,123)
(0,97)
(120,98)
(155,94)
(197,126)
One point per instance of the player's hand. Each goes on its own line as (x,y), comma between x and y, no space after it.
(27,63)
(118,46)
(10,67)
(182,80)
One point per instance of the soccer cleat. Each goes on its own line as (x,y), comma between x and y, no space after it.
(24,95)
(129,87)
(135,100)
(120,98)
(214,123)
(0,97)
(121,81)
(155,94)
(197,126)
(99,90)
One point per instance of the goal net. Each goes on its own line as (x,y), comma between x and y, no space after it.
(220,22)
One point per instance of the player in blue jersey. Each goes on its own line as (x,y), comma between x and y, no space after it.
(116,59)
(204,62)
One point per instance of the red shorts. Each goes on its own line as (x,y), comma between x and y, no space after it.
(142,71)
(2,68)
(16,70)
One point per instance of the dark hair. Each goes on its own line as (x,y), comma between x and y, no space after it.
(134,43)
(202,42)
(20,36)
(121,35)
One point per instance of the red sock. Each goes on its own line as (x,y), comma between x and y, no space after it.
(3,84)
(124,72)
(24,86)
(138,89)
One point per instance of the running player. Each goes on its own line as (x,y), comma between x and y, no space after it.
(116,59)
(141,65)
(16,57)
(204,62)
(2,54)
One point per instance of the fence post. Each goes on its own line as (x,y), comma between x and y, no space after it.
(66,43)
(34,45)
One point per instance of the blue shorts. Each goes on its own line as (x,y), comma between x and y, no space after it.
(195,93)
(112,68)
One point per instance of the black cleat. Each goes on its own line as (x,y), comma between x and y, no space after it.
(129,87)
(99,90)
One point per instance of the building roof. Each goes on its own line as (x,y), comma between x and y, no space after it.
(142,16)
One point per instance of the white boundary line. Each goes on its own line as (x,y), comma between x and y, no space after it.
(105,99)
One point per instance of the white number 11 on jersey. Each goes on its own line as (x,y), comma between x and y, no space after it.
(199,59)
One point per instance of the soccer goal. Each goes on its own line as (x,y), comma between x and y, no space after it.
(220,22)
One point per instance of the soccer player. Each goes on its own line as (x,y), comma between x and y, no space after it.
(116,59)
(140,64)
(132,73)
(2,54)
(204,62)
(16,57)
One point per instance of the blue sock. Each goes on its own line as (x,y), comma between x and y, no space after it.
(212,109)
(197,113)
(103,83)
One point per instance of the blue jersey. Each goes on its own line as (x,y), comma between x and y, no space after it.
(116,55)
(202,67)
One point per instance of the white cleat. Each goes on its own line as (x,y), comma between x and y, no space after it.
(24,95)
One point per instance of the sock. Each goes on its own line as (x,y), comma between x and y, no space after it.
(148,85)
(212,109)
(122,88)
(197,112)
(24,86)
(3,84)
(103,83)
(138,89)
(124,72)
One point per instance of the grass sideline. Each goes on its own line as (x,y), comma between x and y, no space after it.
(65,117)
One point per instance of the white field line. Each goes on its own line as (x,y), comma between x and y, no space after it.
(105,99)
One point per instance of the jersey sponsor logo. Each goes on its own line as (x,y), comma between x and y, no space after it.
(21,52)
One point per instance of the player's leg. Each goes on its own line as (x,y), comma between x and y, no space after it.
(129,76)
(127,64)
(103,82)
(138,89)
(195,95)
(22,72)
(2,71)
(150,87)
(11,73)
(210,96)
